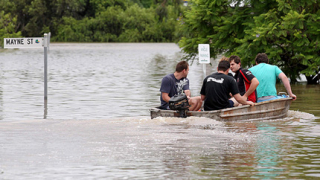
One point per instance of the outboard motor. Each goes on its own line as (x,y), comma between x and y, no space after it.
(179,103)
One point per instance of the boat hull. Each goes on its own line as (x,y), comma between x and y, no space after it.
(264,110)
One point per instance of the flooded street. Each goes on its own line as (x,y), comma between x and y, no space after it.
(96,124)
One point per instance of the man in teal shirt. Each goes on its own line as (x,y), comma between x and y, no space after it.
(267,75)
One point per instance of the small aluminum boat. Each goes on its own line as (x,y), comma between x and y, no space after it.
(273,109)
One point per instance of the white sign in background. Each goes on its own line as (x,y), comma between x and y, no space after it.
(204,53)
(30,42)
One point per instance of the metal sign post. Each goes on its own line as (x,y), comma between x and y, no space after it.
(45,47)
(204,56)
(33,42)
(45,66)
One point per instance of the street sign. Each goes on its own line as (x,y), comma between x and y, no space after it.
(34,42)
(30,42)
(204,53)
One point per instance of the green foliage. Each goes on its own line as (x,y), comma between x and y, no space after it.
(115,24)
(99,6)
(7,27)
(287,30)
(95,20)
(146,3)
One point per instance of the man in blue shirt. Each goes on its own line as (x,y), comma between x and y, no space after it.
(178,83)
(267,75)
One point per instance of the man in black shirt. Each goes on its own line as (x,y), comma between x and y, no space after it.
(216,89)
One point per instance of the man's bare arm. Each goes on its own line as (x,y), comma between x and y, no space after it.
(286,84)
(203,97)
(242,100)
(165,97)
(188,93)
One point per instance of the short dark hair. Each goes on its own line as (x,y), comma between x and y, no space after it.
(223,65)
(181,66)
(236,59)
(262,58)
(224,59)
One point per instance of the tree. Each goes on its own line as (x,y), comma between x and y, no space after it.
(287,30)
(35,17)
(94,20)
(7,27)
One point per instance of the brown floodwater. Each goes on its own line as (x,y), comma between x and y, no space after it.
(96,124)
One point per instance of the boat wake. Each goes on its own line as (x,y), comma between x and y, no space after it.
(301,115)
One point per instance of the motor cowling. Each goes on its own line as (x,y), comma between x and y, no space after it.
(179,103)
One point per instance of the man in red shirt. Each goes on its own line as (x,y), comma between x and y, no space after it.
(246,81)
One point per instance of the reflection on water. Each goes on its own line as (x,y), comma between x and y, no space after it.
(268,149)
(162,148)
(97,122)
